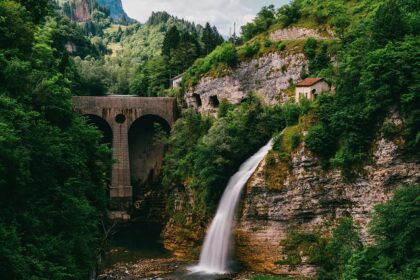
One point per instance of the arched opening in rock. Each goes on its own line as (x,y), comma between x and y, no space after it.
(197,99)
(146,156)
(214,101)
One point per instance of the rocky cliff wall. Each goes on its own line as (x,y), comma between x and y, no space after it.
(115,7)
(296,195)
(82,10)
(269,76)
(305,198)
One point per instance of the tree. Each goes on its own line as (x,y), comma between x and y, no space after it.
(261,23)
(395,226)
(289,14)
(171,40)
(388,24)
(210,38)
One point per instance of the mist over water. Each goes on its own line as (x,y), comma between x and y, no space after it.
(214,257)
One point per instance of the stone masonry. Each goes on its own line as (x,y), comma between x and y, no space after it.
(120,112)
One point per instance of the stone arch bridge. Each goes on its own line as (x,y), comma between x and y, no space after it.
(128,124)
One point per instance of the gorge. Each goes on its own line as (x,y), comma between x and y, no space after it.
(132,150)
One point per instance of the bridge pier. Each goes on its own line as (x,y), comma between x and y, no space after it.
(121,191)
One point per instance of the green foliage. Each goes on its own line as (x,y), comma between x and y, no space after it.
(295,140)
(210,38)
(289,14)
(394,254)
(204,157)
(250,50)
(291,113)
(329,254)
(223,57)
(297,242)
(321,141)
(318,59)
(281,46)
(395,226)
(16,29)
(52,164)
(335,252)
(376,75)
(388,23)
(261,23)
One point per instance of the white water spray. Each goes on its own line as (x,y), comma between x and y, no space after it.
(215,251)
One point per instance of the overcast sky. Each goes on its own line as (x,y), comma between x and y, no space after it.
(222,13)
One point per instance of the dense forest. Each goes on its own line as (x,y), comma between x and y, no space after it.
(54,167)
(52,164)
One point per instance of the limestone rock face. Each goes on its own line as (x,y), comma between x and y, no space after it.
(82,11)
(115,8)
(183,237)
(296,33)
(268,76)
(310,199)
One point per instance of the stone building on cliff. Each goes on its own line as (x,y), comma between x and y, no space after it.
(310,88)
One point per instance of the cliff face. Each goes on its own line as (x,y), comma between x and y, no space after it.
(269,76)
(299,195)
(115,8)
(82,10)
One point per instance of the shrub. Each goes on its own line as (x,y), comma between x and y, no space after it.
(251,49)
(281,46)
(223,56)
(291,113)
(395,227)
(295,140)
(289,14)
(320,141)
(267,43)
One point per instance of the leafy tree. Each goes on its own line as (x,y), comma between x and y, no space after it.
(289,14)
(52,164)
(396,227)
(387,23)
(265,18)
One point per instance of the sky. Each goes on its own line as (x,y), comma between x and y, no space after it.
(221,13)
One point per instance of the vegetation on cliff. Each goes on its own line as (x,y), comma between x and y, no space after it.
(378,73)
(393,255)
(52,164)
(204,153)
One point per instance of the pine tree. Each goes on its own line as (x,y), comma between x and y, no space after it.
(171,41)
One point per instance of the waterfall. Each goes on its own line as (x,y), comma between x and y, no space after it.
(215,251)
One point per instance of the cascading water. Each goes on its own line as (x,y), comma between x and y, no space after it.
(215,251)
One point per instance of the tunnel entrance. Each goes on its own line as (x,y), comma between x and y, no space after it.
(146,156)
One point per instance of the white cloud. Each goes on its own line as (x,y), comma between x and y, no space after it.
(222,13)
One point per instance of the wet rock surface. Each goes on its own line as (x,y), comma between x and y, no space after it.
(162,269)
(142,269)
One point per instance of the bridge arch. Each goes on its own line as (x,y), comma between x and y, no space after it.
(146,153)
(102,125)
(129,117)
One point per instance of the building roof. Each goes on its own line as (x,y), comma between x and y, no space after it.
(177,77)
(309,82)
